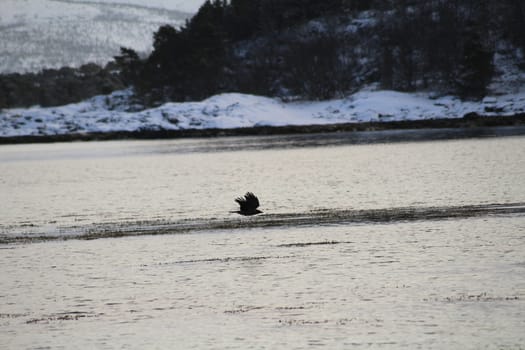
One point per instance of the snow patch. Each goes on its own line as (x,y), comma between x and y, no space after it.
(116,112)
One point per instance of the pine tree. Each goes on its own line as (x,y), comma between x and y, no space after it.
(475,68)
(129,64)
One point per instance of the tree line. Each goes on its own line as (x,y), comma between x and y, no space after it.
(54,87)
(304,49)
(324,49)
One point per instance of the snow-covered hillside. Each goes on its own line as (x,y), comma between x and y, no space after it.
(40,34)
(112,112)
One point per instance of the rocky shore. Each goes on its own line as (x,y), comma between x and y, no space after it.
(471,120)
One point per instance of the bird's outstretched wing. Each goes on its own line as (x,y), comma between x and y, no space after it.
(248,203)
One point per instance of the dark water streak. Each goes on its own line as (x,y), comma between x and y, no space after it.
(310,218)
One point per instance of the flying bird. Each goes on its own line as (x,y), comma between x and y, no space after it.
(249,204)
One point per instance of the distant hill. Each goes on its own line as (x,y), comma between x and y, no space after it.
(37,34)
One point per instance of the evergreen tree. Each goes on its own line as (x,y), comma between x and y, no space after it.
(242,19)
(475,69)
(129,64)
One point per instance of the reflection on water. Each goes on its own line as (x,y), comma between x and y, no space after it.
(382,245)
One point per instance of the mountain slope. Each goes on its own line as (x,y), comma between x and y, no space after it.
(40,34)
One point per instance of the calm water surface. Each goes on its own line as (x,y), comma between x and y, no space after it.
(65,188)
(383,245)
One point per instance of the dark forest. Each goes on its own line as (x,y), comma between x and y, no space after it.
(306,49)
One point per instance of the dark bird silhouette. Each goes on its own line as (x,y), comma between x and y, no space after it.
(249,204)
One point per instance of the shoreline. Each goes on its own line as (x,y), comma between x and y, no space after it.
(470,120)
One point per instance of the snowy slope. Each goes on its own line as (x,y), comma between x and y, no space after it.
(111,113)
(38,34)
